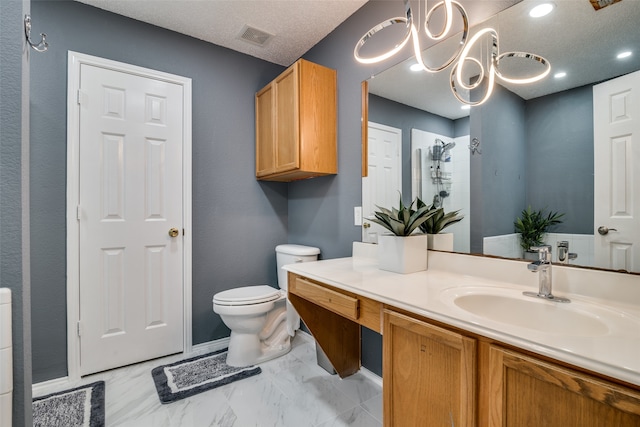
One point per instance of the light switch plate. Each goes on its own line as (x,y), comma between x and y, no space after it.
(357,215)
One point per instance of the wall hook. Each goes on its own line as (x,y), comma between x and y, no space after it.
(475,146)
(41,46)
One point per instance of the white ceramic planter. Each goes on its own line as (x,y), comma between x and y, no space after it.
(402,254)
(441,241)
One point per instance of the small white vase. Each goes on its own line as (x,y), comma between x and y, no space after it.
(402,254)
(441,241)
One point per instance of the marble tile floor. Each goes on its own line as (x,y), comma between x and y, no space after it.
(291,391)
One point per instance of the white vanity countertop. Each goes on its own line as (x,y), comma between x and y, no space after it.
(615,353)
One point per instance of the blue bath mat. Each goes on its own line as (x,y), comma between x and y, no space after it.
(79,407)
(192,376)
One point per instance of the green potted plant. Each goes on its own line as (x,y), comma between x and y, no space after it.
(436,223)
(532,227)
(402,250)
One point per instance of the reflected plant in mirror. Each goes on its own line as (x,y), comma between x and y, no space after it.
(532,226)
(565,142)
(439,220)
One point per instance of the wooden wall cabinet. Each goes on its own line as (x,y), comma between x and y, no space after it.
(296,130)
(429,374)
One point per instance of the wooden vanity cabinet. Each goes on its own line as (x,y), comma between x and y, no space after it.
(296,131)
(429,374)
(440,375)
(525,391)
(334,318)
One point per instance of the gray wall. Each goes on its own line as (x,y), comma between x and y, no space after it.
(537,152)
(237,221)
(461,126)
(498,175)
(321,210)
(235,217)
(14,195)
(559,135)
(401,116)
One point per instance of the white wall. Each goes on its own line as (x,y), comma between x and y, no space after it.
(508,245)
(423,186)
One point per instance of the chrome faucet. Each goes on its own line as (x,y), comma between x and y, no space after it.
(543,267)
(564,256)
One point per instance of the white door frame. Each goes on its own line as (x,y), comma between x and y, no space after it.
(75,60)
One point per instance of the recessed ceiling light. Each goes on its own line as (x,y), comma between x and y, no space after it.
(624,54)
(560,75)
(541,10)
(466,107)
(415,67)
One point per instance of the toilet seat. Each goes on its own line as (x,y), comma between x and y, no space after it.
(247,295)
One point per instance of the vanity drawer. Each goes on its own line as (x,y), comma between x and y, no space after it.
(344,305)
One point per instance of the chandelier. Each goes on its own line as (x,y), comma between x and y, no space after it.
(461,56)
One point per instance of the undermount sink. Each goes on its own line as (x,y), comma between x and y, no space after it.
(510,307)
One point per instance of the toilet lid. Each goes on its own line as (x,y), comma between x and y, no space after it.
(247,295)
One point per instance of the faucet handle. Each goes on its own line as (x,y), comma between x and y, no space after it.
(544,252)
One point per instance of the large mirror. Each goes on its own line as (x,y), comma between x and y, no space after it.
(528,145)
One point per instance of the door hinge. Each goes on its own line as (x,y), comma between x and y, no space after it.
(78,213)
(82,97)
(79,329)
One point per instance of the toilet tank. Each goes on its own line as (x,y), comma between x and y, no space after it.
(291,254)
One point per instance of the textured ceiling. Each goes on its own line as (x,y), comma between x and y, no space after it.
(574,38)
(296,25)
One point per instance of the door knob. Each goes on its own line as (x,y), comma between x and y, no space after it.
(603,230)
(173,232)
(366,225)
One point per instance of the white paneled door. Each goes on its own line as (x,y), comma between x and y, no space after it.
(383,183)
(130,217)
(616,108)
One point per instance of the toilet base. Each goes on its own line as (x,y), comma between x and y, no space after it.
(247,349)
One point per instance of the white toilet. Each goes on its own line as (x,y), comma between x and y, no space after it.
(261,319)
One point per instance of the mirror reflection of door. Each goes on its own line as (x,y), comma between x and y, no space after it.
(617,151)
(383,185)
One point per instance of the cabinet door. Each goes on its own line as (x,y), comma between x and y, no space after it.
(286,118)
(265,136)
(428,374)
(527,392)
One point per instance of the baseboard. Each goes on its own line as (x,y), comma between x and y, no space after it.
(62,383)
(49,386)
(305,335)
(209,347)
(371,376)
(364,371)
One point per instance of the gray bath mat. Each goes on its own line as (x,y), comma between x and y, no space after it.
(192,376)
(78,407)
